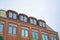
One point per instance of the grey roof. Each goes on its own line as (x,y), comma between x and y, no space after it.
(49,28)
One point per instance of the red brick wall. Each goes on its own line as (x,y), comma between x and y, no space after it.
(18,36)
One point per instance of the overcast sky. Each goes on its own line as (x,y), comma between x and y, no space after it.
(48,10)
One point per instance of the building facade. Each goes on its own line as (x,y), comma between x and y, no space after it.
(14,26)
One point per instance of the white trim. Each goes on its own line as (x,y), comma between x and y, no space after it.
(13,25)
(44,33)
(2,22)
(34,30)
(24,27)
(53,35)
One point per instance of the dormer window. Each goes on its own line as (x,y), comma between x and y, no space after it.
(23,18)
(33,21)
(42,24)
(12,14)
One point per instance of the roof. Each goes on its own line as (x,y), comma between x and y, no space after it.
(49,28)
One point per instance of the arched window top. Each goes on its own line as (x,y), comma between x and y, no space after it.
(23,17)
(12,11)
(41,20)
(32,18)
(12,14)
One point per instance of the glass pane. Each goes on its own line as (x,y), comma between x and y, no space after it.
(43,24)
(31,21)
(35,22)
(25,19)
(40,24)
(14,16)
(36,35)
(33,35)
(10,14)
(26,33)
(14,30)
(51,38)
(1,27)
(43,37)
(23,33)
(54,38)
(21,18)
(46,37)
(10,30)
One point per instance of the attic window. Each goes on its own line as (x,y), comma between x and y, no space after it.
(23,18)
(33,21)
(42,24)
(12,15)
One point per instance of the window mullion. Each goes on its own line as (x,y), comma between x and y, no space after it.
(24,33)
(12,29)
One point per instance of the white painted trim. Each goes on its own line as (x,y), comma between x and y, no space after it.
(34,30)
(2,22)
(24,27)
(13,25)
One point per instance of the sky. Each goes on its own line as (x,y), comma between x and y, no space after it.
(48,10)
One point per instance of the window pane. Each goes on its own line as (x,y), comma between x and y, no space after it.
(41,24)
(10,30)
(21,18)
(53,38)
(10,14)
(33,35)
(35,22)
(25,19)
(23,33)
(14,30)
(26,33)
(31,21)
(14,16)
(1,27)
(44,36)
(37,35)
